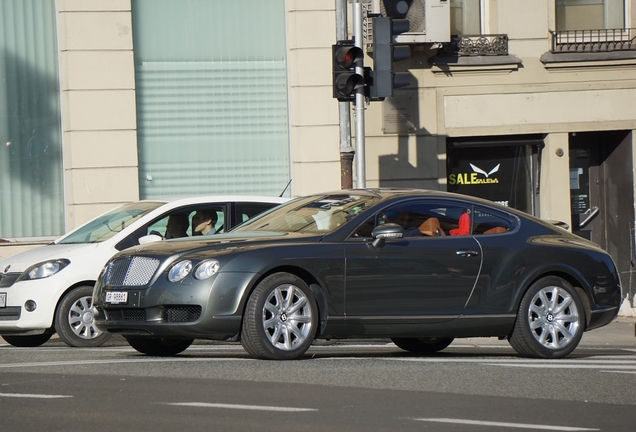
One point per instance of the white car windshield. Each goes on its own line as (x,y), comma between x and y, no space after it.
(109,224)
(316,214)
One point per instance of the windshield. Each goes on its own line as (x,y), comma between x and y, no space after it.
(318,214)
(109,224)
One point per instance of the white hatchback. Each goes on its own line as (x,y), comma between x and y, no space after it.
(49,289)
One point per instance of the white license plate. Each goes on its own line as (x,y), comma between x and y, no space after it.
(115,297)
(3,299)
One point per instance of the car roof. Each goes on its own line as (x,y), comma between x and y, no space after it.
(180,201)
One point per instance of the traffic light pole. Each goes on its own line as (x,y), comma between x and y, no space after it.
(361,180)
(346,149)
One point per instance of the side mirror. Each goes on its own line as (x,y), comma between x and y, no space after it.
(386,231)
(150,238)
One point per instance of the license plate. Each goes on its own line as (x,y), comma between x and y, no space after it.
(3,299)
(116,297)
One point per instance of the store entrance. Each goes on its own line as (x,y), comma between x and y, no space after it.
(601,195)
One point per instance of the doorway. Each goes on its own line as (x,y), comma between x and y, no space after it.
(601,195)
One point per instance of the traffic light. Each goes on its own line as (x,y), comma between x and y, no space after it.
(346,81)
(385,53)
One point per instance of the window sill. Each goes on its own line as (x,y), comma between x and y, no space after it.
(578,60)
(451,65)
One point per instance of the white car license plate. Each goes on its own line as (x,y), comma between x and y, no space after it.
(115,297)
(3,300)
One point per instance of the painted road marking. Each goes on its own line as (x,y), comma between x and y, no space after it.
(36,396)
(504,424)
(241,407)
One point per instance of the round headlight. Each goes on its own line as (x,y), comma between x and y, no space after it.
(45,269)
(179,270)
(206,269)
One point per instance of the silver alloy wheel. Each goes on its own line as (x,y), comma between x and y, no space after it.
(287,317)
(81,319)
(553,317)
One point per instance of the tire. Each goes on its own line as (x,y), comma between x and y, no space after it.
(426,345)
(281,318)
(74,320)
(159,347)
(28,341)
(550,320)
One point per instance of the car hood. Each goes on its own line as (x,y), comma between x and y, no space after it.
(219,242)
(22,261)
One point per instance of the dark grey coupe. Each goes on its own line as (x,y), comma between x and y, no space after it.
(419,267)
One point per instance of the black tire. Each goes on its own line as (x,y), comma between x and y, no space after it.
(28,341)
(159,347)
(281,318)
(550,320)
(75,322)
(423,345)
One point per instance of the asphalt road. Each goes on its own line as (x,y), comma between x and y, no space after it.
(474,385)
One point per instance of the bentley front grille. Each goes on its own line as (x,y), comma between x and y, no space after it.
(131,271)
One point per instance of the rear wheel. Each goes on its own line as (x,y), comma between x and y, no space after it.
(74,320)
(550,320)
(423,345)
(281,318)
(159,347)
(28,341)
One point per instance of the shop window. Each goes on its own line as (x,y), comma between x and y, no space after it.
(211,87)
(31,198)
(589,14)
(501,170)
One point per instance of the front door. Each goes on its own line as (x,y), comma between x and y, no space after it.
(601,196)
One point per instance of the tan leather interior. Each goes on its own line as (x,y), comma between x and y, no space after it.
(431,227)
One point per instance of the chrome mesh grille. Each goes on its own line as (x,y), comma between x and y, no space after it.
(131,271)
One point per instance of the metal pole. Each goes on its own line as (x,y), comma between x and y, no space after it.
(361,180)
(346,150)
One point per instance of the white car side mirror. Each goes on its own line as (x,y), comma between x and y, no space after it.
(150,238)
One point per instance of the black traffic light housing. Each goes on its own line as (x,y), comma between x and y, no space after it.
(346,57)
(385,54)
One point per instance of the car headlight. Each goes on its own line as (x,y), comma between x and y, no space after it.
(207,269)
(179,271)
(44,269)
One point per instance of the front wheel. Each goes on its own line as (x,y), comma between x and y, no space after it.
(29,341)
(159,347)
(425,345)
(550,320)
(75,322)
(281,318)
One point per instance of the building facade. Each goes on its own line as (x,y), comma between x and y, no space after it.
(102,102)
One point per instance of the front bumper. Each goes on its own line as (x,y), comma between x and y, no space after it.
(209,309)
(14,318)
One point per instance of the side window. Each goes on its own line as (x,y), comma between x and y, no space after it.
(488,222)
(433,218)
(245,211)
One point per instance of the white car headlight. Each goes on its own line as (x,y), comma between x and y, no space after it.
(179,271)
(207,269)
(44,269)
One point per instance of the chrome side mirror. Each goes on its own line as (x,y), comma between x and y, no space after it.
(386,231)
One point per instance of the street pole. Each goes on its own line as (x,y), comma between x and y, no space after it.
(346,150)
(361,180)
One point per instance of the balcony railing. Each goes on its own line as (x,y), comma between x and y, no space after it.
(477,45)
(587,41)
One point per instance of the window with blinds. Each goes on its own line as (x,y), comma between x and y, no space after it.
(31,197)
(211,80)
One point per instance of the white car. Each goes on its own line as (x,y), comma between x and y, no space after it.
(49,289)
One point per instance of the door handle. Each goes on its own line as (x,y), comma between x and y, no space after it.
(591,212)
(467,253)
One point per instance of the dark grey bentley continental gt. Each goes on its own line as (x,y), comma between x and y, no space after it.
(419,267)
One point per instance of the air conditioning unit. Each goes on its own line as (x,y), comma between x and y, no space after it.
(429,19)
